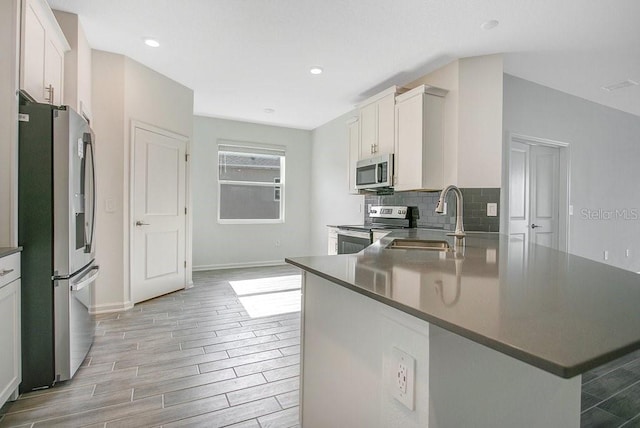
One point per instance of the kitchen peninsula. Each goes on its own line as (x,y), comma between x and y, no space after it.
(500,332)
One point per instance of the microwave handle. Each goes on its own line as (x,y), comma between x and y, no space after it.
(379,173)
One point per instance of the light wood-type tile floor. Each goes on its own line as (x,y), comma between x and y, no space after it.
(191,358)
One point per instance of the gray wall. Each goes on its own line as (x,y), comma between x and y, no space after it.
(125,91)
(331,202)
(605,171)
(233,245)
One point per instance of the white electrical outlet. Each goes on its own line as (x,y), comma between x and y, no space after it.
(606,255)
(627,253)
(492,209)
(402,377)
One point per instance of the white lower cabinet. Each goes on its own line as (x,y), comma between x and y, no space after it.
(332,241)
(10,359)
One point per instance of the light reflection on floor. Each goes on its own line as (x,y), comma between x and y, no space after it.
(263,297)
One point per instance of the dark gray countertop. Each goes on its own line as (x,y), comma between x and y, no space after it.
(6,251)
(562,313)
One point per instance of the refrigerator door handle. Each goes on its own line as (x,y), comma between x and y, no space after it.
(87,138)
(86,281)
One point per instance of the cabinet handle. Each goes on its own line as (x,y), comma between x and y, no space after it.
(49,90)
(6,272)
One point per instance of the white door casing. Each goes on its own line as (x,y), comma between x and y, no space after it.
(538,191)
(158,218)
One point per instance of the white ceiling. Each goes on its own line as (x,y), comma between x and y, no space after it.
(244,56)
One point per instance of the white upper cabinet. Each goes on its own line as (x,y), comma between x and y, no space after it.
(353,131)
(377,124)
(77,64)
(419,147)
(43,46)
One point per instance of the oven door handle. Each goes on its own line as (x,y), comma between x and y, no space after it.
(87,280)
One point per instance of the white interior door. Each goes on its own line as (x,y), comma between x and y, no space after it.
(159,219)
(534,193)
(544,195)
(519,191)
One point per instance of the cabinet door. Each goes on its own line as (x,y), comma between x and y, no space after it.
(419,153)
(332,242)
(352,159)
(53,72)
(42,53)
(10,364)
(32,53)
(368,130)
(386,125)
(408,152)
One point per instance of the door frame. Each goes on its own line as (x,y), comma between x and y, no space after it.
(136,124)
(564,179)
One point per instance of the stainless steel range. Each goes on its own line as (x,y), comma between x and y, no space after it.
(354,238)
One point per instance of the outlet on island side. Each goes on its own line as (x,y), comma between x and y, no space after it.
(402,377)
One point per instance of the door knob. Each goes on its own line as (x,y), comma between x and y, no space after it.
(141,223)
(533,226)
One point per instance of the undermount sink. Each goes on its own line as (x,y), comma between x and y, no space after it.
(418,244)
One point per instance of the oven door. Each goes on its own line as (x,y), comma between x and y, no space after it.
(351,242)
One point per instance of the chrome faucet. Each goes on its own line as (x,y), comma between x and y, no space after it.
(459,232)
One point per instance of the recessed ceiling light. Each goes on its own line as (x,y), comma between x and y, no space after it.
(269,110)
(316,70)
(620,85)
(488,25)
(151,42)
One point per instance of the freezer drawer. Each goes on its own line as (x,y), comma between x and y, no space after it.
(75,325)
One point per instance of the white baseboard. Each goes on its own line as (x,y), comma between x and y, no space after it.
(110,307)
(239,265)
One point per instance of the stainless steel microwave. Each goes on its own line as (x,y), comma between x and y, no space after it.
(375,172)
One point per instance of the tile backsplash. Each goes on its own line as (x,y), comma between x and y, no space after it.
(474,208)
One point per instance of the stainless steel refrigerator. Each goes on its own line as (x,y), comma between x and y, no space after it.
(56,227)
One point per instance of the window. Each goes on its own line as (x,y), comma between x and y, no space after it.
(250,183)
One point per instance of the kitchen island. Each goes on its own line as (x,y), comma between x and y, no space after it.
(500,332)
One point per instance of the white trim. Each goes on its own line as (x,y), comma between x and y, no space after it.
(526,139)
(564,197)
(250,221)
(239,265)
(136,124)
(394,90)
(281,185)
(110,307)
